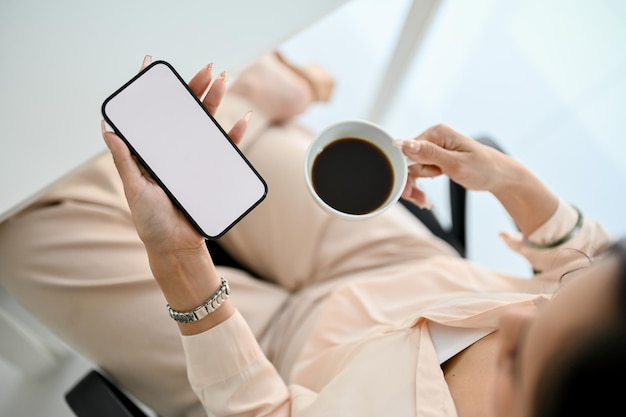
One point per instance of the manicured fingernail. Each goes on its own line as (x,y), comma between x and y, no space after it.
(224,76)
(409,146)
(147,60)
(248,115)
(210,66)
(398,143)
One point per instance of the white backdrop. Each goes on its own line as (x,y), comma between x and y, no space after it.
(61,59)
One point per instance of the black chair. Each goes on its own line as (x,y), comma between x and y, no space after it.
(96,395)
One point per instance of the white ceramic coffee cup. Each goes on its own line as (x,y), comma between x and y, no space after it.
(372,133)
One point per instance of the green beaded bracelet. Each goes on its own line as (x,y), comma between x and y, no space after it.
(568,236)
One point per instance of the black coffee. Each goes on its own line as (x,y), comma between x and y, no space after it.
(353,176)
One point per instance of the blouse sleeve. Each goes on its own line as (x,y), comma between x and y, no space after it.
(231,376)
(590,240)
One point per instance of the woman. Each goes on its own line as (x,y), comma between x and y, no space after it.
(585,378)
(383,319)
(567,359)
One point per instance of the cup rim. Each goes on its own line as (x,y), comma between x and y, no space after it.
(309,157)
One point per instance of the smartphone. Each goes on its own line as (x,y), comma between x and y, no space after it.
(184,149)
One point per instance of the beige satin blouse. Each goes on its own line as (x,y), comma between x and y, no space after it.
(368,349)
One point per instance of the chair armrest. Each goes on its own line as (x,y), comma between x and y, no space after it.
(458,204)
(96,396)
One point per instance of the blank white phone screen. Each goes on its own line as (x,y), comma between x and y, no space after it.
(187,152)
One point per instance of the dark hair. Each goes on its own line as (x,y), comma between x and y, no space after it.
(589,379)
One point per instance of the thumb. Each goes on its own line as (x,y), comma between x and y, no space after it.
(427,153)
(126,165)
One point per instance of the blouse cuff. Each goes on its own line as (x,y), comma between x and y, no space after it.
(221,352)
(559,228)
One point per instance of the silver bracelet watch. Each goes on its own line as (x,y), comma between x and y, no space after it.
(209,306)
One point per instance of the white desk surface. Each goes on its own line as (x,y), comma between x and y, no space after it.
(61,59)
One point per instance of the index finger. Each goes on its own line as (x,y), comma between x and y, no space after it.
(147,60)
(200,82)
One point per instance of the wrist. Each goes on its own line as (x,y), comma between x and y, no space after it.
(525,197)
(186,277)
(212,311)
(508,176)
(211,305)
(569,222)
